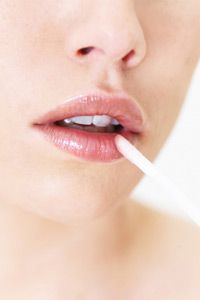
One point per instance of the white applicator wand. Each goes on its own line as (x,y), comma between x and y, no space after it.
(131,153)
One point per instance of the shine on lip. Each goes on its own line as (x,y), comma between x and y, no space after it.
(92,146)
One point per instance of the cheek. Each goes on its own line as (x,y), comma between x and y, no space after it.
(162,94)
(163,78)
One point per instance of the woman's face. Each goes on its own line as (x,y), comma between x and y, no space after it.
(40,69)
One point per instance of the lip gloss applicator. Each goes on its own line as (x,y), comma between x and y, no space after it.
(131,153)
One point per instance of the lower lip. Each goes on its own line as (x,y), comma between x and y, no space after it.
(89,146)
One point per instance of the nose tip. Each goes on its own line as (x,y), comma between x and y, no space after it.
(126,48)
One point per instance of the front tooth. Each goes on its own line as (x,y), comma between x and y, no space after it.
(83,120)
(68,121)
(114,122)
(102,121)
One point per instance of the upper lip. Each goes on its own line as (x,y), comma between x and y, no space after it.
(119,106)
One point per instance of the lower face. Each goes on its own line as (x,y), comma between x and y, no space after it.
(36,76)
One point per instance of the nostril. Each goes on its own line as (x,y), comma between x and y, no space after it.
(129,56)
(84,51)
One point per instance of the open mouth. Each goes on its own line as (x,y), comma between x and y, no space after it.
(98,123)
(86,126)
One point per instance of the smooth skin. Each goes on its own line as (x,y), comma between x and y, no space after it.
(68,228)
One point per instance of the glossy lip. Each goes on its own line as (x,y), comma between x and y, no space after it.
(91,145)
(124,109)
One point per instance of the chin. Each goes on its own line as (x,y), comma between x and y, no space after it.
(68,209)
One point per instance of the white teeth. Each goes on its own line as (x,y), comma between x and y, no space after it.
(114,122)
(84,120)
(67,121)
(98,120)
(102,121)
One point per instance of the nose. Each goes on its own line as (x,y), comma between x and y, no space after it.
(109,32)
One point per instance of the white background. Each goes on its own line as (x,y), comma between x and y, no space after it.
(179,159)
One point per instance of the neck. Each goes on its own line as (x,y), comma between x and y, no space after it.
(28,240)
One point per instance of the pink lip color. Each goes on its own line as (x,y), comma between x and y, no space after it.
(87,145)
(92,146)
